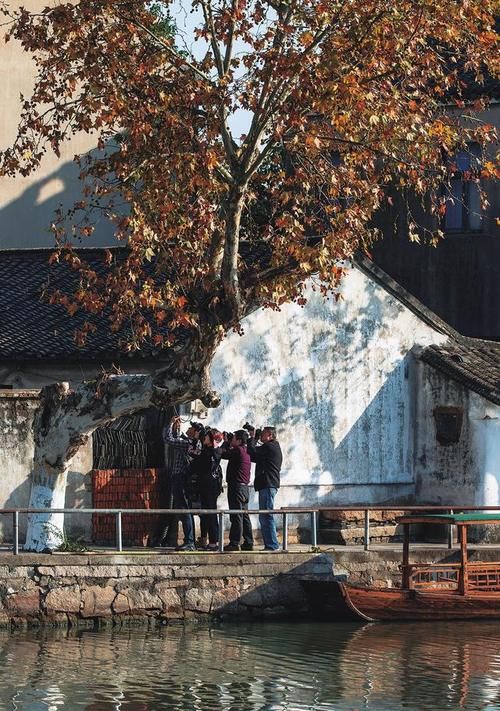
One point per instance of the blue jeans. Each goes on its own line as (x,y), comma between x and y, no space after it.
(267,525)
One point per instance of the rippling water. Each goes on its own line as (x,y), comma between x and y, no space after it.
(260,667)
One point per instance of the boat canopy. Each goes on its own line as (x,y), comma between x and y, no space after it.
(473,517)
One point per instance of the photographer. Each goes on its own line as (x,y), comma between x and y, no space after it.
(210,483)
(238,494)
(268,460)
(185,447)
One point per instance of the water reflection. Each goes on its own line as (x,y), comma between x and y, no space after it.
(261,667)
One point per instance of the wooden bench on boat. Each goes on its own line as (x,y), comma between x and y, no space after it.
(463,590)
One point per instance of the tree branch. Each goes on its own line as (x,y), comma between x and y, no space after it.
(209,21)
(166,47)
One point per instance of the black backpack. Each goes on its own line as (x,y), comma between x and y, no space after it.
(217,474)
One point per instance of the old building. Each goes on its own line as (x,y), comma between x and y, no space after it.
(376,399)
(459,276)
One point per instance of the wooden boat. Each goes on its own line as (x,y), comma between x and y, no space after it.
(462,590)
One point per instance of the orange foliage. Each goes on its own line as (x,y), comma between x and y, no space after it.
(345,98)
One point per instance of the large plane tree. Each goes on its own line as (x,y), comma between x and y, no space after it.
(341,101)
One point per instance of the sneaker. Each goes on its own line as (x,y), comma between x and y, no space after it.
(186,547)
(247,547)
(271,550)
(231,548)
(211,547)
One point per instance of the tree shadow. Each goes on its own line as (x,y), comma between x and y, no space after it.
(337,380)
(25,221)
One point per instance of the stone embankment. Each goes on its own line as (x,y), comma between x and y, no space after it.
(92,589)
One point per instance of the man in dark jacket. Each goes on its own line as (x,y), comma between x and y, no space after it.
(184,447)
(238,492)
(268,460)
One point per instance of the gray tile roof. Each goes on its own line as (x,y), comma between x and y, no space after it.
(32,329)
(472,362)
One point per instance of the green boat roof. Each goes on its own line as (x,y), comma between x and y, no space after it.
(458,518)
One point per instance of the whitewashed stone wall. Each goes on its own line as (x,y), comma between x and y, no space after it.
(353,404)
(465,472)
(338,381)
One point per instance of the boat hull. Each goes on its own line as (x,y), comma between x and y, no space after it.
(336,600)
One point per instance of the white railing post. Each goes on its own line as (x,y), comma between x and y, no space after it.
(314,530)
(119,546)
(285,532)
(367,530)
(221,531)
(15,532)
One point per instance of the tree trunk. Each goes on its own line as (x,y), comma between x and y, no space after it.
(67,417)
(46,531)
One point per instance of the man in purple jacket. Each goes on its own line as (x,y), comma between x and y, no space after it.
(238,492)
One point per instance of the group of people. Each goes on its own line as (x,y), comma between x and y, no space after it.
(196,478)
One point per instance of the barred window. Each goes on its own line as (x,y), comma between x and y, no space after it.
(462,194)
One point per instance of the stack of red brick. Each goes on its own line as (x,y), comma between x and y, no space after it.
(125,489)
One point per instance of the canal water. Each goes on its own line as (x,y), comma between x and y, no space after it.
(258,667)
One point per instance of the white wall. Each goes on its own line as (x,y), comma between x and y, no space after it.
(485,426)
(466,472)
(336,379)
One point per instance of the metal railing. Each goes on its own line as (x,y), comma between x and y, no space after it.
(284,513)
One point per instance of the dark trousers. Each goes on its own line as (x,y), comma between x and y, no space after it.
(168,524)
(237,496)
(182,501)
(209,522)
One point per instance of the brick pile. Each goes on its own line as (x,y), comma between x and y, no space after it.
(125,489)
(348,527)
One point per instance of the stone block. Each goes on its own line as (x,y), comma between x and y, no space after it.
(355,535)
(198,599)
(102,571)
(121,604)
(97,601)
(253,598)
(75,571)
(46,570)
(357,517)
(148,571)
(140,600)
(18,585)
(222,598)
(23,604)
(172,605)
(65,599)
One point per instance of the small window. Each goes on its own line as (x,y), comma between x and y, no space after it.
(462,194)
(448,424)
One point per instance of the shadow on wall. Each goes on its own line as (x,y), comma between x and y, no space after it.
(25,222)
(340,410)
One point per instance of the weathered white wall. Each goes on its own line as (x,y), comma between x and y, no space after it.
(466,472)
(444,473)
(485,435)
(336,379)
(16,453)
(353,404)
